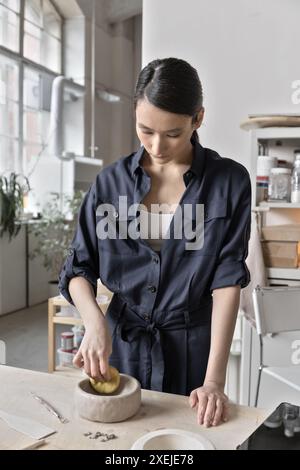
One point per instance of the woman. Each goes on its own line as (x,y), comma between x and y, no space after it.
(171,320)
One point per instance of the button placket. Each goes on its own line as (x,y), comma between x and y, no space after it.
(152,289)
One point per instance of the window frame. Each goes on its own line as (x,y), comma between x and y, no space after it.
(23,62)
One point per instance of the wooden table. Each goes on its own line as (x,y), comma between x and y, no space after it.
(158,410)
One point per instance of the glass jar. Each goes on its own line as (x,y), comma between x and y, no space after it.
(67,341)
(295,190)
(290,419)
(264,166)
(280,185)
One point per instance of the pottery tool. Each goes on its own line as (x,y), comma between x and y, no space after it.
(50,408)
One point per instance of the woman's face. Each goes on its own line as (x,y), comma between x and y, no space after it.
(164,135)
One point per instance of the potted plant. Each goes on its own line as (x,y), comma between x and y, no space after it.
(12,191)
(54,233)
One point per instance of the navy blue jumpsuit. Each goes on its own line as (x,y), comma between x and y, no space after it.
(160,313)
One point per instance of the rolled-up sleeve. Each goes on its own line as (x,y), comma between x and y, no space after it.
(83,258)
(231,268)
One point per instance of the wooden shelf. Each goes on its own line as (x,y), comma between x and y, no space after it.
(53,319)
(265,206)
(277,133)
(284,273)
(67,320)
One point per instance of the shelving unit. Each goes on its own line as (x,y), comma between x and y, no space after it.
(273,213)
(289,136)
(288,213)
(270,213)
(283,273)
(54,303)
(265,206)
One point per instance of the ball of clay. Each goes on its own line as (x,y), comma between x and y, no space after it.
(109,386)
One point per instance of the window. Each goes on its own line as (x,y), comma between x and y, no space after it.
(10,24)
(9,114)
(25,85)
(36,116)
(42,34)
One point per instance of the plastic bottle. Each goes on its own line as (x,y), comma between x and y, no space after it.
(295,183)
(78,332)
(280,185)
(264,166)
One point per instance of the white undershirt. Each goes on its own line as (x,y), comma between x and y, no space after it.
(154,227)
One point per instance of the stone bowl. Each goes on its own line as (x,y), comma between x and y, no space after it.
(117,406)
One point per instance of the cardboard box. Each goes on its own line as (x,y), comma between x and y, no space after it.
(288,232)
(281,254)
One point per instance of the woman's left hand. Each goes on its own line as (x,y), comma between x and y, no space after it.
(212,404)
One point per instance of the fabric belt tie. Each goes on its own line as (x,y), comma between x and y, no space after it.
(131,327)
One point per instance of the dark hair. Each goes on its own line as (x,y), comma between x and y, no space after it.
(173,85)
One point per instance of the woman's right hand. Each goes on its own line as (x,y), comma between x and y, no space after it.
(94,351)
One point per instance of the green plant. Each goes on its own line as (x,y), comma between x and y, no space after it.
(12,191)
(55,231)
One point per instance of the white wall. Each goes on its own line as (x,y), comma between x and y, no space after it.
(246,53)
(116,51)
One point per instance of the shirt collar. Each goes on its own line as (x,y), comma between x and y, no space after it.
(196,168)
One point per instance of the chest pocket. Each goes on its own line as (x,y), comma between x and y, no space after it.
(215,211)
(112,232)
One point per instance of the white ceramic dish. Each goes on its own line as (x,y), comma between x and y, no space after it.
(172,439)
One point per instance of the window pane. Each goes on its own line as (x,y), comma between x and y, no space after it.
(12,4)
(42,48)
(42,43)
(32,126)
(37,96)
(34,12)
(51,50)
(9,79)
(9,121)
(36,127)
(9,115)
(52,20)
(9,106)
(30,156)
(9,29)
(9,160)
(32,42)
(31,88)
